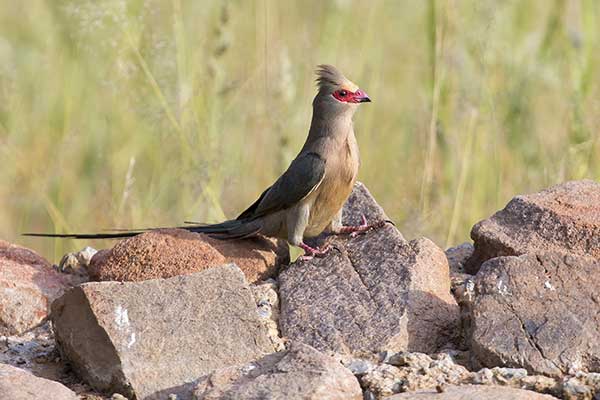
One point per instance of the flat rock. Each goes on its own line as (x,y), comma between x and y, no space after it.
(28,285)
(473,392)
(300,373)
(166,253)
(371,293)
(538,312)
(17,384)
(153,338)
(564,218)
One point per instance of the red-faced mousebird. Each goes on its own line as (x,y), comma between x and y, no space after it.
(308,198)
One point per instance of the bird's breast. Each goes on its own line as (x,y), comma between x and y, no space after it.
(338,181)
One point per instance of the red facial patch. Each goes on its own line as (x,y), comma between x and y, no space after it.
(346,96)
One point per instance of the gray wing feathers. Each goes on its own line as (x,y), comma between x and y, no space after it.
(301,178)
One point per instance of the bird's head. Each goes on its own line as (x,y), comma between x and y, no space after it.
(338,91)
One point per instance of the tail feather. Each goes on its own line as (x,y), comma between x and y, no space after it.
(232,229)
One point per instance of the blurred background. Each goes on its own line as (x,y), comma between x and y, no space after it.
(119,114)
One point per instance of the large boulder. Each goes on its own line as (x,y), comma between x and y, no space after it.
(149,339)
(166,253)
(299,373)
(17,384)
(565,218)
(473,392)
(28,285)
(373,292)
(537,311)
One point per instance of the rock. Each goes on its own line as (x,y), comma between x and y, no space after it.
(17,384)
(77,263)
(33,351)
(470,392)
(267,303)
(371,293)
(538,312)
(458,257)
(153,338)
(563,218)
(383,380)
(300,373)
(414,371)
(358,366)
(581,387)
(166,253)
(28,285)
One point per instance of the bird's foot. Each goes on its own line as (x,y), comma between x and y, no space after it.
(311,252)
(356,230)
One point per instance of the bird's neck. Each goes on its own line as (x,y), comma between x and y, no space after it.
(329,129)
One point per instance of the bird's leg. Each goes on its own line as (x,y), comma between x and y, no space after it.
(355,230)
(310,252)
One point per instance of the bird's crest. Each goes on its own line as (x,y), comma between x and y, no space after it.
(330,78)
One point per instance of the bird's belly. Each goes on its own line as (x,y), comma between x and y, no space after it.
(327,203)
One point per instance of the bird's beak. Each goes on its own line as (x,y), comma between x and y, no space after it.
(362,97)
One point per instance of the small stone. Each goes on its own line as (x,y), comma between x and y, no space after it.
(359,366)
(574,389)
(368,395)
(267,303)
(414,360)
(539,383)
(473,392)
(117,396)
(383,380)
(77,263)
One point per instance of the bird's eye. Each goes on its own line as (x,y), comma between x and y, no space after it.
(343,93)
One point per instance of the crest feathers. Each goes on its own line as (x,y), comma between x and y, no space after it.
(329,76)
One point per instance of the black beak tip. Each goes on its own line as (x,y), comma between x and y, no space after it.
(365,100)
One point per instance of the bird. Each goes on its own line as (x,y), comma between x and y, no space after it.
(307,199)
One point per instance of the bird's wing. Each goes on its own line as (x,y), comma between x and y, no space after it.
(302,177)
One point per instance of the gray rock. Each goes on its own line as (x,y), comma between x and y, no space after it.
(300,373)
(538,312)
(153,338)
(77,263)
(358,366)
(17,384)
(458,257)
(28,285)
(267,303)
(469,392)
(564,218)
(371,293)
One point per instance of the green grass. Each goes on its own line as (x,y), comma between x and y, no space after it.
(147,113)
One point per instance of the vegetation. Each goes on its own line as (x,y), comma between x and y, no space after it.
(147,113)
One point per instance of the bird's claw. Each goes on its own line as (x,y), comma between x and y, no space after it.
(363,227)
(312,252)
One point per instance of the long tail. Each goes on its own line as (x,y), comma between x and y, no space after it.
(232,229)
